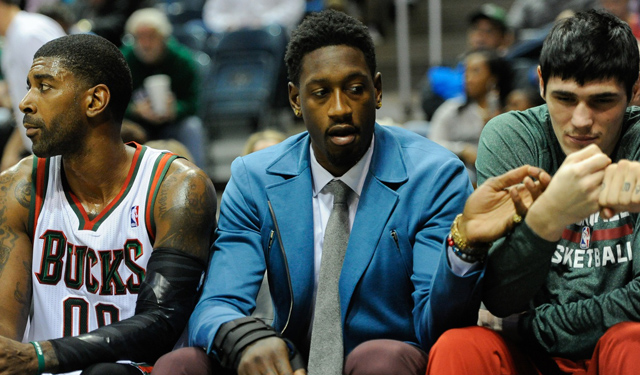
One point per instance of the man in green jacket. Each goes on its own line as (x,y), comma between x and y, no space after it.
(153,55)
(567,271)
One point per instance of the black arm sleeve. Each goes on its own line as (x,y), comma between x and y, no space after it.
(234,336)
(167,297)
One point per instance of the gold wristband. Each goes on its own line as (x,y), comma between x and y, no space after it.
(461,243)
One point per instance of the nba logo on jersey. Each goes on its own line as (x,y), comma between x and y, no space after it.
(585,239)
(134,216)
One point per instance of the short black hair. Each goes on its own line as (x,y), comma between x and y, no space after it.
(94,60)
(590,46)
(327,28)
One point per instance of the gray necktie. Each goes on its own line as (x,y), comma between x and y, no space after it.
(326,354)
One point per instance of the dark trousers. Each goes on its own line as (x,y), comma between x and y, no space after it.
(375,357)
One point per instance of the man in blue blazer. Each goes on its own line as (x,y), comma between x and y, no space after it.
(397,291)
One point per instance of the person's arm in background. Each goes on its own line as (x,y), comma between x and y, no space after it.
(13,150)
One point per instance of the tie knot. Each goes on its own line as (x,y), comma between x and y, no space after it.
(340,191)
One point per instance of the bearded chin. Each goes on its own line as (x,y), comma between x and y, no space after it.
(345,160)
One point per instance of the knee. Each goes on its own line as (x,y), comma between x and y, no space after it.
(621,335)
(451,339)
(183,361)
(470,338)
(378,357)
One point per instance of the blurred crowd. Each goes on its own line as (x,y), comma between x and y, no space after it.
(182,66)
(498,71)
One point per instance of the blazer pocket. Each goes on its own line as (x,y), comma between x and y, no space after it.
(403,247)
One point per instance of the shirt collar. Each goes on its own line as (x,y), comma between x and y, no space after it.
(354,178)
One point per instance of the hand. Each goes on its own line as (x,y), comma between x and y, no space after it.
(488,320)
(489,211)
(620,190)
(17,358)
(572,194)
(143,109)
(267,356)
(508,326)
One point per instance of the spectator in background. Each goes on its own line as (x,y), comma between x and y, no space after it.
(153,53)
(521,99)
(24,33)
(525,16)
(263,139)
(457,123)
(226,15)
(487,30)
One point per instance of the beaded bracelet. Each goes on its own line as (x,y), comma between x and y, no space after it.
(475,249)
(40,355)
(464,256)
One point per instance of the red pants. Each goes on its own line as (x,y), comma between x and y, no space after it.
(479,350)
(375,357)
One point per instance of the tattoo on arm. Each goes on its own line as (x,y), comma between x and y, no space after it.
(8,238)
(163,195)
(23,193)
(23,295)
(187,205)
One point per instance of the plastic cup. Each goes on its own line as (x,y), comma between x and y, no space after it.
(158,88)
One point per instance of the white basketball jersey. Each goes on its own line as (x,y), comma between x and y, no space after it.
(86,272)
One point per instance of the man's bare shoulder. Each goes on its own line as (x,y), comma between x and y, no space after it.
(185,209)
(183,174)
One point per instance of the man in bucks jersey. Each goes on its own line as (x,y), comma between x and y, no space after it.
(570,271)
(102,244)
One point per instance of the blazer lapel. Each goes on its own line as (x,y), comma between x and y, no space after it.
(377,202)
(291,201)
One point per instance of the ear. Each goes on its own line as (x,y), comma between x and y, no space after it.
(97,99)
(377,86)
(294,99)
(541,83)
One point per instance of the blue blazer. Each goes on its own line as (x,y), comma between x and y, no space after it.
(395,282)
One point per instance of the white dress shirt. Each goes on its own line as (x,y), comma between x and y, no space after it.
(323,200)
